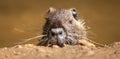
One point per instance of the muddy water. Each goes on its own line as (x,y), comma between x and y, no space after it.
(22,19)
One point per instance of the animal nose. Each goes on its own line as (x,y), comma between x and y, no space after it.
(58,35)
(57,32)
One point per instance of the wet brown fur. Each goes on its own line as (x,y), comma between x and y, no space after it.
(74,27)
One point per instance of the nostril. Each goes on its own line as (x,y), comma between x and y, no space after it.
(57,32)
(53,34)
(60,32)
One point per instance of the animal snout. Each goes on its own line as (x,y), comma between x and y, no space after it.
(58,35)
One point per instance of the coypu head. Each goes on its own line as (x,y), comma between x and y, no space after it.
(62,27)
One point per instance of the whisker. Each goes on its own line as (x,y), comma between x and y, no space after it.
(99,44)
(48,43)
(69,40)
(43,41)
(26,40)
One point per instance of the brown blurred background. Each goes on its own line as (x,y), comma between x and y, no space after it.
(23,19)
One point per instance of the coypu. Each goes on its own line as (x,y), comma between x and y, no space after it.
(62,27)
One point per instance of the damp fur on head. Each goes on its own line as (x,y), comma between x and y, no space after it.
(65,16)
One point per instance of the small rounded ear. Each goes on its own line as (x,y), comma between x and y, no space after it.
(74,10)
(51,10)
(74,13)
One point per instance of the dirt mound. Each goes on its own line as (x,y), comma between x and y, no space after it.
(30,51)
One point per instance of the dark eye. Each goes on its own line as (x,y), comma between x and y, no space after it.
(70,21)
(74,13)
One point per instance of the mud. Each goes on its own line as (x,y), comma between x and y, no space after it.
(31,51)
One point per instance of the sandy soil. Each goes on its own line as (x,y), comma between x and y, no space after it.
(30,51)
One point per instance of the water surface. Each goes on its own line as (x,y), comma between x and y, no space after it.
(23,19)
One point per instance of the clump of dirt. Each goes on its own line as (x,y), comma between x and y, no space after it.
(30,51)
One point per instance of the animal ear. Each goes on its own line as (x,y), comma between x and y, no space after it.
(73,9)
(51,10)
(74,13)
(48,14)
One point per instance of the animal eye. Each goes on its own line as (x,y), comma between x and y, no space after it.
(74,13)
(70,21)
